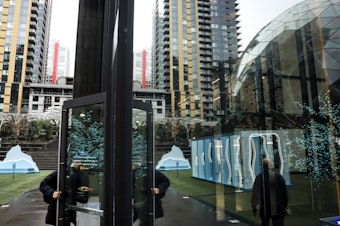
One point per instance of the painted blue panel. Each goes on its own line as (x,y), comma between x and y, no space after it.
(235,157)
(226,161)
(253,150)
(201,162)
(257,145)
(217,160)
(208,159)
(194,158)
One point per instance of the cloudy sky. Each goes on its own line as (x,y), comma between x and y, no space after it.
(254,15)
(64,21)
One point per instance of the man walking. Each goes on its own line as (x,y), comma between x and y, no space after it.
(270,191)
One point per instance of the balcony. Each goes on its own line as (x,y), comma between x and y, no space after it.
(33,24)
(32,32)
(31,47)
(29,70)
(30,63)
(34,17)
(30,55)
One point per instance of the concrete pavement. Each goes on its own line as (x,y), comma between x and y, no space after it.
(29,210)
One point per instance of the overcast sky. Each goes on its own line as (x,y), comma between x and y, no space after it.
(254,15)
(64,21)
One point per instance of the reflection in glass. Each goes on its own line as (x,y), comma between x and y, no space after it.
(140,166)
(85,156)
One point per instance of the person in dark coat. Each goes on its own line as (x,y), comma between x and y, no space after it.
(269,189)
(48,187)
(162,183)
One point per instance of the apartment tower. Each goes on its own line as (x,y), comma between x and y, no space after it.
(142,68)
(196,49)
(21,33)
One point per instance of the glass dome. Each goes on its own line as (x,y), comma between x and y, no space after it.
(284,102)
(302,41)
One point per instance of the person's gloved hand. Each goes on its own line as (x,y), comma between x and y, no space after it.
(254,212)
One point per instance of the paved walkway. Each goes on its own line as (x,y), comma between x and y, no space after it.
(29,210)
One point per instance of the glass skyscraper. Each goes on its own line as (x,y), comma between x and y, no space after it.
(196,47)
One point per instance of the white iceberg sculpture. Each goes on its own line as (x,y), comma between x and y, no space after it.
(18,162)
(174,160)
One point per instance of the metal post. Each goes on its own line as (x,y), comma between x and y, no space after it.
(123,114)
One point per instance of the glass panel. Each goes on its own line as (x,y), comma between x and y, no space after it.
(84,169)
(141,168)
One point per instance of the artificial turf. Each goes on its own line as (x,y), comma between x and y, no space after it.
(14,185)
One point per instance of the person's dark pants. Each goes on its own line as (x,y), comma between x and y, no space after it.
(277,221)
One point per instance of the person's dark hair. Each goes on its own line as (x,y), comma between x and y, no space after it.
(266,164)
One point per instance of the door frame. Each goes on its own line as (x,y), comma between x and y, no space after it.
(67,105)
(150,200)
(100,98)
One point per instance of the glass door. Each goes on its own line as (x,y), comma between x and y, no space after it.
(142,164)
(81,161)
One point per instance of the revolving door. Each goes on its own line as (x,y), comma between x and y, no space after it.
(83,170)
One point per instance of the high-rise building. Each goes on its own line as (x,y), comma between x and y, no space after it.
(196,48)
(23,31)
(58,62)
(142,68)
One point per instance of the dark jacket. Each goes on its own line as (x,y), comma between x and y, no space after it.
(162,183)
(47,186)
(270,191)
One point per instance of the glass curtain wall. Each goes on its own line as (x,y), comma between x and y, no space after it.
(282,104)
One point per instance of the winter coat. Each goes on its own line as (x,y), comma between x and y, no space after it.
(270,191)
(47,186)
(162,183)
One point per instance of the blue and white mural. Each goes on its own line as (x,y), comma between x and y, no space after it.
(236,159)
(174,160)
(18,162)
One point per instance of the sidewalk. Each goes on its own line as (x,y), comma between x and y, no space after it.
(29,210)
(186,211)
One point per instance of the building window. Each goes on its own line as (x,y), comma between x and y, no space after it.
(34,107)
(159,111)
(159,103)
(56,99)
(35,98)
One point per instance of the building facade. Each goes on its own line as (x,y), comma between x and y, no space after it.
(154,96)
(196,46)
(58,62)
(21,32)
(142,68)
(46,96)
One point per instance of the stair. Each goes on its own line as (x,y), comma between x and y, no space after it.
(44,155)
(45,160)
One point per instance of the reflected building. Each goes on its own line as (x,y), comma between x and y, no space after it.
(286,83)
(196,46)
(292,62)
